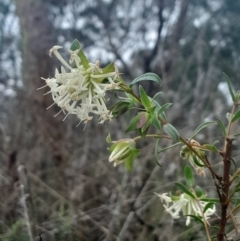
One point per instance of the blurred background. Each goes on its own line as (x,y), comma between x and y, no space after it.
(74,193)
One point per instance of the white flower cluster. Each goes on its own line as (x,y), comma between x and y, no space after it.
(186,204)
(81,91)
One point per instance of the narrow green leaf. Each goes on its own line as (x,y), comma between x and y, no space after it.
(221,126)
(238,134)
(234,164)
(132,126)
(202,126)
(210,148)
(108,138)
(120,108)
(189,178)
(155,153)
(171,131)
(195,159)
(75,45)
(155,122)
(109,68)
(155,103)
(198,191)
(229,86)
(168,147)
(164,107)
(163,116)
(157,94)
(236,116)
(144,98)
(147,76)
(184,189)
(128,164)
(214,227)
(237,190)
(237,201)
(213,237)
(209,205)
(84,60)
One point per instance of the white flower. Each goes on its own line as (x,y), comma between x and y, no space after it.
(81,91)
(187,205)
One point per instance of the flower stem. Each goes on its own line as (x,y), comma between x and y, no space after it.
(204,221)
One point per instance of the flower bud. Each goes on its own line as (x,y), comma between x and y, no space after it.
(195,161)
(123,151)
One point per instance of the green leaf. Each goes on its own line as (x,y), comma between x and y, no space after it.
(163,116)
(229,86)
(237,190)
(157,94)
(195,159)
(133,124)
(234,164)
(171,131)
(168,147)
(129,163)
(202,126)
(164,107)
(155,103)
(221,126)
(75,45)
(120,108)
(214,227)
(198,191)
(108,138)
(144,98)
(209,205)
(189,178)
(155,153)
(237,201)
(84,60)
(210,147)
(238,134)
(155,122)
(184,189)
(236,116)
(147,76)
(109,68)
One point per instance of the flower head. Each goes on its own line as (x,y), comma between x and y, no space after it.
(123,151)
(80,90)
(187,205)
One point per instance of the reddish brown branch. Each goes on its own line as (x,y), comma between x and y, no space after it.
(225,189)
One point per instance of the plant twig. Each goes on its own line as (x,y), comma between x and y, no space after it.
(224,200)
